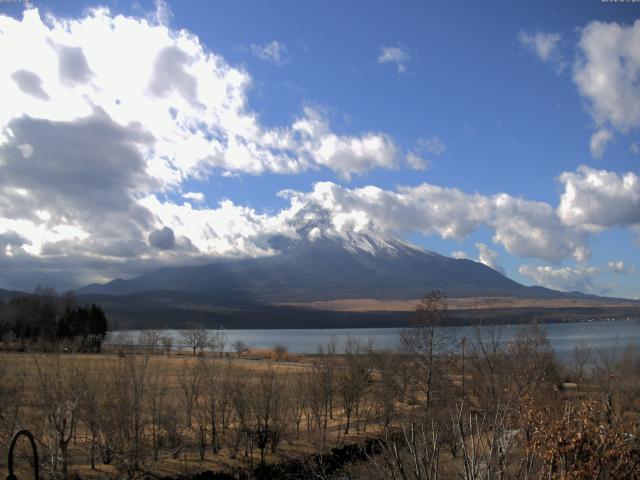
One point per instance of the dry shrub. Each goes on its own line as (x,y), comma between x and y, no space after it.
(584,441)
(270,354)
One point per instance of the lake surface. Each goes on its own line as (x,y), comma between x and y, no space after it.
(603,336)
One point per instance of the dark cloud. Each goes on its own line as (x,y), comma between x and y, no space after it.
(30,83)
(88,172)
(13,239)
(81,267)
(73,66)
(162,238)
(169,74)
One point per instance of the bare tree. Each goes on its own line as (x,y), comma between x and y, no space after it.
(90,406)
(582,354)
(59,398)
(195,337)
(487,360)
(387,390)
(428,341)
(353,381)
(280,351)
(218,342)
(189,381)
(149,339)
(240,347)
(532,371)
(156,400)
(268,408)
(167,344)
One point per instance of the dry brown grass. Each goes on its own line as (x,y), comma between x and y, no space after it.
(248,368)
(397,305)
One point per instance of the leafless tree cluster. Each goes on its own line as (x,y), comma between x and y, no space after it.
(492,406)
(497,406)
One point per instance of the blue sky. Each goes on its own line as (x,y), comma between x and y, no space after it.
(488,95)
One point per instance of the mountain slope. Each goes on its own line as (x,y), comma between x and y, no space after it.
(327,268)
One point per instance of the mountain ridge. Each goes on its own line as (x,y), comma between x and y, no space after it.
(331,268)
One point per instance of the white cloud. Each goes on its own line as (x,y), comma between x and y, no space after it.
(416,162)
(488,257)
(162,13)
(433,145)
(344,154)
(425,147)
(228,230)
(599,141)
(26,150)
(189,99)
(459,254)
(89,156)
(395,55)
(274,52)
(545,46)
(82,145)
(618,266)
(635,148)
(197,197)
(561,278)
(524,228)
(607,74)
(599,199)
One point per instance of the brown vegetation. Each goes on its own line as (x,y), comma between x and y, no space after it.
(476,408)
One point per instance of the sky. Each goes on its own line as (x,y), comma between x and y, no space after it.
(135,135)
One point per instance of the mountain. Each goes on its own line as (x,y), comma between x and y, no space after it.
(329,268)
(332,281)
(315,283)
(7,295)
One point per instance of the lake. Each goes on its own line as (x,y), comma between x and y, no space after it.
(603,336)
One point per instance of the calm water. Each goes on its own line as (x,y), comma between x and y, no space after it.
(603,336)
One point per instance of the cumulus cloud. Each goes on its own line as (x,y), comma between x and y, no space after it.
(416,159)
(73,67)
(197,197)
(162,238)
(81,177)
(459,254)
(395,55)
(599,141)
(545,46)
(273,52)
(26,149)
(607,74)
(561,278)
(433,145)
(30,83)
(89,158)
(10,241)
(346,155)
(162,14)
(81,144)
(618,266)
(599,199)
(227,230)
(191,101)
(524,228)
(488,257)
(417,162)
